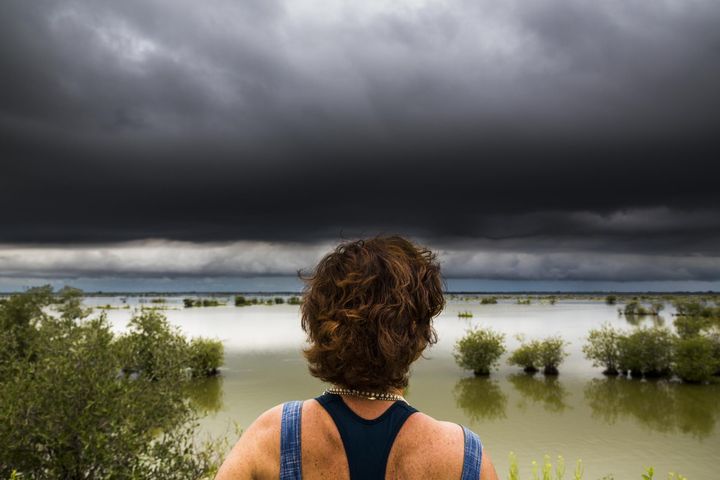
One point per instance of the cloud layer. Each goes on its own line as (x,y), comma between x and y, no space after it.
(529,139)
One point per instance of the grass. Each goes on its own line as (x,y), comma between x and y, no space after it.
(548,471)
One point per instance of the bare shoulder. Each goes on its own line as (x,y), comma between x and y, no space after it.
(254,453)
(431,448)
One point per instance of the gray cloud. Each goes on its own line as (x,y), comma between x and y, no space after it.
(479,259)
(569,138)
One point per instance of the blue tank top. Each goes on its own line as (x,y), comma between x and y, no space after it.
(367,443)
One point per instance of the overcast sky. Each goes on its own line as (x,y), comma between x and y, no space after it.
(225,144)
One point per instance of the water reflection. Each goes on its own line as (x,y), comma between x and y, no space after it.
(638,320)
(545,390)
(661,406)
(480,398)
(206,394)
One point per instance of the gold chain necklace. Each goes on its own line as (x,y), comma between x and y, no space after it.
(366,395)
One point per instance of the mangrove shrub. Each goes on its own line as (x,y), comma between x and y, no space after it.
(152,347)
(602,348)
(551,353)
(646,351)
(694,359)
(479,350)
(527,356)
(68,413)
(205,357)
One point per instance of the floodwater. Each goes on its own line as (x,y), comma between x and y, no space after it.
(616,426)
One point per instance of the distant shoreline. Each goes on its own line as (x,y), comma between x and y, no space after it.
(458,292)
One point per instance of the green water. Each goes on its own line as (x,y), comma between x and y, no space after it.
(615,425)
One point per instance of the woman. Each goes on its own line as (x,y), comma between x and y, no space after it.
(367,310)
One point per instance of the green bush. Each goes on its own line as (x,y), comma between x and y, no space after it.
(488,301)
(611,300)
(695,308)
(152,348)
(19,317)
(479,350)
(279,300)
(527,356)
(630,354)
(658,352)
(602,348)
(694,359)
(67,413)
(551,353)
(294,300)
(210,302)
(690,326)
(188,302)
(714,336)
(241,301)
(646,351)
(205,357)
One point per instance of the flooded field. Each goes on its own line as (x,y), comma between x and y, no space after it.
(615,425)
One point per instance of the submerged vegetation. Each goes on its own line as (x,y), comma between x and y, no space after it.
(78,401)
(202,302)
(547,354)
(526,355)
(693,354)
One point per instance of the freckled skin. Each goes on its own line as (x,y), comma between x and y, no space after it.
(424,448)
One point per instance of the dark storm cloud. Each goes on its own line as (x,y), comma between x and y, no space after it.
(517,128)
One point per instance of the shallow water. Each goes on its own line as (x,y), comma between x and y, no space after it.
(616,426)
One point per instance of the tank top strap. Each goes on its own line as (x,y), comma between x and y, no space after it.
(290,448)
(472,457)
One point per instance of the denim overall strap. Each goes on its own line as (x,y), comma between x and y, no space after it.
(472,459)
(290,459)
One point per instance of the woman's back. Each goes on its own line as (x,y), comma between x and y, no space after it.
(419,446)
(367,310)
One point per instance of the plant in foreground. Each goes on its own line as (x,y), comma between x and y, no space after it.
(559,470)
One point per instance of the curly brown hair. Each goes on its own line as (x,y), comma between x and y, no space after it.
(367,310)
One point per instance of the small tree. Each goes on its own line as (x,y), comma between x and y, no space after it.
(479,350)
(611,300)
(551,354)
(602,348)
(527,355)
